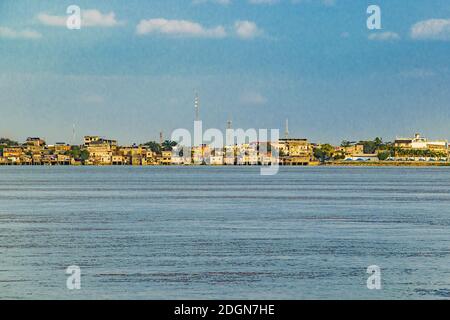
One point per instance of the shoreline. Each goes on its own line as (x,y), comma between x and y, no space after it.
(389,164)
(311,164)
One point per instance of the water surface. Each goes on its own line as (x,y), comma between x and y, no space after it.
(224,232)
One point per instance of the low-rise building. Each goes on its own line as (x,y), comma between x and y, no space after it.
(294,151)
(166,158)
(421,143)
(12,152)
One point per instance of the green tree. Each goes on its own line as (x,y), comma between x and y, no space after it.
(373,146)
(346,143)
(77,153)
(5,142)
(324,152)
(153,146)
(8,142)
(168,145)
(384,155)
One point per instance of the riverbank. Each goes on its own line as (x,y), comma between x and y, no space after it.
(388,164)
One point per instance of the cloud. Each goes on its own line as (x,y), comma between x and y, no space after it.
(9,33)
(432,29)
(263,1)
(179,28)
(89,18)
(222,2)
(417,73)
(328,3)
(247,29)
(384,36)
(253,98)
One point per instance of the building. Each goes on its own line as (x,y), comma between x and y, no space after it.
(166,158)
(63,160)
(351,150)
(421,143)
(100,150)
(38,142)
(294,151)
(34,145)
(61,148)
(88,140)
(13,154)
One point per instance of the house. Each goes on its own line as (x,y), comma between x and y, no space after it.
(294,151)
(100,150)
(166,158)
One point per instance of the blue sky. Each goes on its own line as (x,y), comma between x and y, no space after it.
(132,70)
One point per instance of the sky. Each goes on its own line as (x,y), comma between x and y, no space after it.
(133,68)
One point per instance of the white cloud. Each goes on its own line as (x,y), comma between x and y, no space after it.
(222,2)
(247,29)
(179,28)
(89,18)
(253,98)
(19,34)
(417,73)
(327,3)
(263,1)
(433,29)
(384,36)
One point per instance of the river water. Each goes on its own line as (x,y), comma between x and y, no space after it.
(224,232)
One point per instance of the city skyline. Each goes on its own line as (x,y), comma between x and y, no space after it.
(127,75)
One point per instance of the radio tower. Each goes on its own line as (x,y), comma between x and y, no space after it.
(161,138)
(229,138)
(286,132)
(73,134)
(197,107)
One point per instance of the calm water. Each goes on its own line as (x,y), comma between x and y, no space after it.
(201,233)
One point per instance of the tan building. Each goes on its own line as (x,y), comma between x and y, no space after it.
(117,160)
(88,140)
(352,150)
(63,160)
(166,158)
(38,142)
(12,152)
(294,151)
(61,148)
(100,150)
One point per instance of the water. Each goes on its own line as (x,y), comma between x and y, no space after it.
(224,232)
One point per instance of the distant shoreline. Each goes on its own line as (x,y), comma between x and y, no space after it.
(311,164)
(388,164)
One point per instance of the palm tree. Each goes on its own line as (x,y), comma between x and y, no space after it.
(168,145)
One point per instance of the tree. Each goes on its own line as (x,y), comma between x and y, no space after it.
(384,155)
(154,146)
(5,142)
(168,145)
(77,153)
(324,152)
(346,143)
(8,142)
(372,146)
(378,141)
